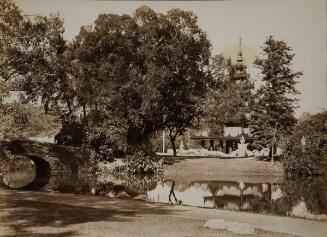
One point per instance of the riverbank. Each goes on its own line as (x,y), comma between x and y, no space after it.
(245,169)
(27,213)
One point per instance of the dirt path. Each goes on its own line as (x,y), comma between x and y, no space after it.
(53,214)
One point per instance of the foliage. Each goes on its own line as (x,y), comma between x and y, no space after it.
(310,159)
(275,103)
(139,163)
(33,54)
(130,76)
(10,23)
(140,74)
(229,99)
(19,120)
(182,65)
(106,136)
(72,133)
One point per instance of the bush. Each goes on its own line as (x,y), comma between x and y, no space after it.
(139,163)
(310,159)
(72,133)
(103,147)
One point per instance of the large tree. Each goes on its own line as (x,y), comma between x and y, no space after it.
(33,54)
(179,71)
(17,35)
(10,22)
(109,80)
(146,71)
(273,115)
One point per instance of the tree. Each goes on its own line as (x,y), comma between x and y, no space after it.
(33,54)
(229,98)
(273,114)
(306,148)
(181,71)
(146,73)
(108,81)
(10,22)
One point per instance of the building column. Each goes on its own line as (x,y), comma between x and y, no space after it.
(203,143)
(224,146)
(163,141)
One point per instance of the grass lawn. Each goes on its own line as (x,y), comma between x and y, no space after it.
(245,169)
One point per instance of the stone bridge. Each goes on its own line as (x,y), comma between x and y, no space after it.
(46,156)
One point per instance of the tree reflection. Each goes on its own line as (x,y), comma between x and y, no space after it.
(312,191)
(172,194)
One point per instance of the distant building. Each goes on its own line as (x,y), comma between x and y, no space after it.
(233,132)
(233,129)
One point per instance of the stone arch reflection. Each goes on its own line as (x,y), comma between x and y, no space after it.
(19,172)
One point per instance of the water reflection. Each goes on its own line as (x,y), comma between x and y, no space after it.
(110,186)
(301,198)
(19,173)
(304,198)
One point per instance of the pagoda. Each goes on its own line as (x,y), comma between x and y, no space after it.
(236,127)
(240,68)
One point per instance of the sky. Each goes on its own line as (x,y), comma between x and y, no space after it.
(301,23)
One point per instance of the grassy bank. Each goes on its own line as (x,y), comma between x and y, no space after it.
(245,169)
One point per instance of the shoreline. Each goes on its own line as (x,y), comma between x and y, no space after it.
(131,217)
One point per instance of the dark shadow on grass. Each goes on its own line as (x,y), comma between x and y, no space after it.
(170,160)
(30,209)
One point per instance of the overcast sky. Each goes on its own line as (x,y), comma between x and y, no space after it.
(302,23)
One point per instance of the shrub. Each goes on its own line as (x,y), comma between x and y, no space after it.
(139,163)
(103,146)
(72,133)
(311,158)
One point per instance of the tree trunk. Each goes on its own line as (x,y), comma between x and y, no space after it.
(46,107)
(84,111)
(96,106)
(70,111)
(172,140)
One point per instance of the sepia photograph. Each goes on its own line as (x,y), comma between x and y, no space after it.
(163,118)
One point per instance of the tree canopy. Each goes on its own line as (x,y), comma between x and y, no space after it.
(306,149)
(229,98)
(127,77)
(275,100)
(141,73)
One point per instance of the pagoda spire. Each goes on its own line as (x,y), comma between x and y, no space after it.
(240,67)
(240,54)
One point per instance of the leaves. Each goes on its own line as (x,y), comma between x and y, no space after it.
(146,71)
(275,102)
(311,158)
(228,99)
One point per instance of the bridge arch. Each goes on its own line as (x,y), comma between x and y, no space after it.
(43,172)
(48,158)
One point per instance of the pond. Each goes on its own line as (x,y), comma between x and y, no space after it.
(303,198)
